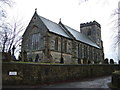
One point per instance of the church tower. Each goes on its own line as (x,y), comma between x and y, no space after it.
(93,31)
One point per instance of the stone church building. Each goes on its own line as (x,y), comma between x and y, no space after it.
(49,42)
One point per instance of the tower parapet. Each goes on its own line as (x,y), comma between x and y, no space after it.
(90,24)
(93,31)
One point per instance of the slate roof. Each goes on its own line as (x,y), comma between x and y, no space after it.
(56,28)
(53,27)
(81,37)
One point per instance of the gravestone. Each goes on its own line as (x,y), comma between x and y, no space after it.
(13,50)
(6,56)
(24,56)
(37,58)
(111,61)
(61,60)
(119,62)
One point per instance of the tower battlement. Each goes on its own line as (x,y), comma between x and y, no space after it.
(92,30)
(90,24)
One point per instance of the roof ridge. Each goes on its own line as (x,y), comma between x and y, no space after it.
(72,28)
(66,30)
(47,19)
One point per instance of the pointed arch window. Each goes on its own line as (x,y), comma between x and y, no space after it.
(80,50)
(65,45)
(56,44)
(36,38)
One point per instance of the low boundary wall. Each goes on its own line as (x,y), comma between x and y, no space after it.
(37,74)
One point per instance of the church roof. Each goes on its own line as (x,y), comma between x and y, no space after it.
(81,37)
(57,29)
(54,27)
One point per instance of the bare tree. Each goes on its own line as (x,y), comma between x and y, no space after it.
(3,12)
(11,35)
(3,16)
(4,37)
(8,2)
(10,32)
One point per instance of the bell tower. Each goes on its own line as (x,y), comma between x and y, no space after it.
(93,31)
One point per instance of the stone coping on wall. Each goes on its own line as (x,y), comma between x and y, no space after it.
(55,64)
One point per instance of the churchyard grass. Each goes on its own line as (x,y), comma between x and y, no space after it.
(117,72)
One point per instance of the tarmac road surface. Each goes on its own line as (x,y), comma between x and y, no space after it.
(91,83)
(88,84)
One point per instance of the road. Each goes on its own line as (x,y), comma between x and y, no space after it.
(91,83)
(88,84)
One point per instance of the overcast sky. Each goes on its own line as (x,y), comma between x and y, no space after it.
(72,13)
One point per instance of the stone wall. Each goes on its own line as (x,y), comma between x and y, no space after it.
(116,79)
(59,50)
(29,74)
(74,51)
